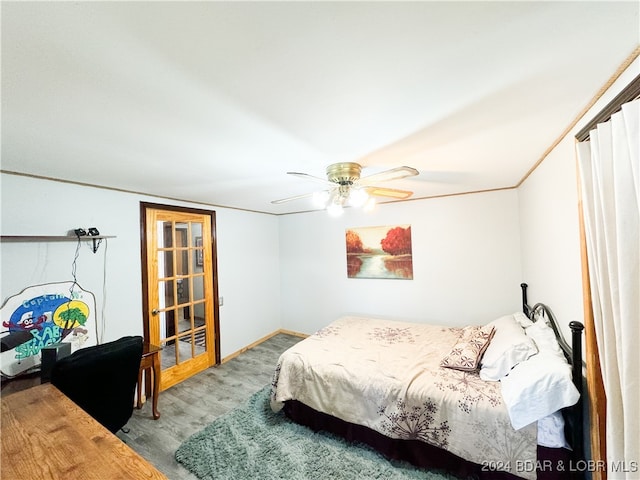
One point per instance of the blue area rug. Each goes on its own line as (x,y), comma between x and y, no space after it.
(252,442)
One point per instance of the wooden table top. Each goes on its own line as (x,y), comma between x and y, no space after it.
(45,435)
(149,348)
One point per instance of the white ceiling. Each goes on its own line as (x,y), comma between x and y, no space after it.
(214,102)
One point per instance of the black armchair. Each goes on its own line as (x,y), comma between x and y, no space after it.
(101,379)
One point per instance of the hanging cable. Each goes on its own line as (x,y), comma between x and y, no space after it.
(74,268)
(104,296)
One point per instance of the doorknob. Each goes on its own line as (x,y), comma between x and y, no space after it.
(154,311)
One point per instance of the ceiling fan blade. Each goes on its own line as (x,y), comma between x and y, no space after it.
(388,192)
(324,181)
(288,199)
(392,174)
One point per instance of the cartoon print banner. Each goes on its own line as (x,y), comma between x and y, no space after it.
(380,252)
(40,316)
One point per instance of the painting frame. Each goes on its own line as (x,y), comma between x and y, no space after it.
(199,252)
(379,252)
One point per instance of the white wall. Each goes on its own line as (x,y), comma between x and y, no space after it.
(248,271)
(549,222)
(466,259)
(248,266)
(550,236)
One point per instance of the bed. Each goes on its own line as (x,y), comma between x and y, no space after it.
(500,400)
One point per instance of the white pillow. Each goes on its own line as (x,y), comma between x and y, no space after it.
(545,338)
(551,431)
(538,387)
(509,346)
(522,319)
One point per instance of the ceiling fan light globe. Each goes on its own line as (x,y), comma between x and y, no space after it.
(335,210)
(321,198)
(369,205)
(358,197)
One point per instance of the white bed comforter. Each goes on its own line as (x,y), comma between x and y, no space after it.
(386,375)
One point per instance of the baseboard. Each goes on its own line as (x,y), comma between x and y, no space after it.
(263,339)
(291,332)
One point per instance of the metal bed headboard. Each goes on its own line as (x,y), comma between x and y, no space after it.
(574,429)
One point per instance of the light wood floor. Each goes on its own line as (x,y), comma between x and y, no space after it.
(191,405)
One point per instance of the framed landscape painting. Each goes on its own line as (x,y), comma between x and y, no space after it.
(379,252)
(199,252)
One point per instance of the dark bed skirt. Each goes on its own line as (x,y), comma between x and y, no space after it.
(421,454)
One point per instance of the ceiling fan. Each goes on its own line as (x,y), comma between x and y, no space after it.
(344,186)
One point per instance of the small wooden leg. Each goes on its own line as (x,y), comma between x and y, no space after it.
(139,400)
(156,386)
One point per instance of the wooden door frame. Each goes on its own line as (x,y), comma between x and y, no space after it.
(597,397)
(214,263)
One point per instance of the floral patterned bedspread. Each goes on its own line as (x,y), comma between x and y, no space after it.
(386,375)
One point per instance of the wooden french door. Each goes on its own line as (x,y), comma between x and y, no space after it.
(180,283)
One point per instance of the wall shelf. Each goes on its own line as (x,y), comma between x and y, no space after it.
(56,238)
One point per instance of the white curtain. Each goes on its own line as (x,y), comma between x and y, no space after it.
(610,180)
